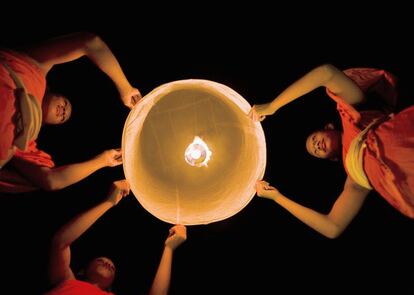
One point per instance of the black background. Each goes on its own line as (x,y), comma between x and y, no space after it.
(262,249)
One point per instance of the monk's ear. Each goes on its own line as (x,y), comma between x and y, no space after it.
(329,126)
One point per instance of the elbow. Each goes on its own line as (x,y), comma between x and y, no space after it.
(89,36)
(88,41)
(58,241)
(49,186)
(50,183)
(334,232)
(92,41)
(332,235)
(327,71)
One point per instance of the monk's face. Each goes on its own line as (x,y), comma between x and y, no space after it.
(56,109)
(324,144)
(101,271)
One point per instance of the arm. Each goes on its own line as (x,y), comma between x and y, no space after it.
(71,47)
(325,75)
(331,225)
(59,268)
(161,283)
(60,177)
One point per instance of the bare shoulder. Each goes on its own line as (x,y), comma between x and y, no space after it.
(343,86)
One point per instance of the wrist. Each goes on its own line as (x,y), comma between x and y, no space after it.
(100,161)
(124,88)
(275,196)
(168,248)
(274,106)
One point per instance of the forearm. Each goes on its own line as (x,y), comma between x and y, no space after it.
(315,78)
(319,222)
(63,176)
(100,54)
(161,283)
(78,225)
(59,177)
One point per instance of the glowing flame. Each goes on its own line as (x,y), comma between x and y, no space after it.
(197,153)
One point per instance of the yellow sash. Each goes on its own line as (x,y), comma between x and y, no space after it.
(28,114)
(354,160)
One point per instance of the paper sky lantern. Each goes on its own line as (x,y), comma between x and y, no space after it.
(191,154)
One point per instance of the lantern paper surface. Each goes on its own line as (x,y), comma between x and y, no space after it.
(191,154)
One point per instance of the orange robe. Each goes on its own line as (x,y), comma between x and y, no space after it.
(77,287)
(388,160)
(35,83)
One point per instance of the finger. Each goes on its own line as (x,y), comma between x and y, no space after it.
(259,184)
(261,118)
(252,112)
(124,190)
(136,92)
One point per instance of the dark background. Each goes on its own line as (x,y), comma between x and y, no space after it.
(262,249)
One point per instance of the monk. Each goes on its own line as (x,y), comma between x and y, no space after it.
(25,106)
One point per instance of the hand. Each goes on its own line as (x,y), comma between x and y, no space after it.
(259,112)
(118,190)
(131,97)
(111,158)
(177,235)
(265,190)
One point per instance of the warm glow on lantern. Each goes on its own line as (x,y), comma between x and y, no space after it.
(224,152)
(197,153)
